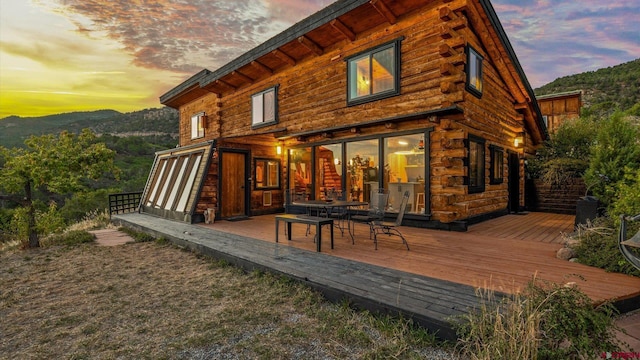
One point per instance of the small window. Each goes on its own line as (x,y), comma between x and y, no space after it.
(374,74)
(474,71)
(264,107)
(197,125)
(476,164)
(267,174)
(497,165)
(545,119)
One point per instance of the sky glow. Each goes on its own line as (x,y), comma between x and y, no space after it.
(76,55)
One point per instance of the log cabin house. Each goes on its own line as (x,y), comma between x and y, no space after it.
(559,107)
(419,95)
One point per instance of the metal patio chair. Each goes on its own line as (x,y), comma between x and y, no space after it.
(378,201)
(391,228)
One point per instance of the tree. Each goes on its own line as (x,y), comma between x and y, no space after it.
(616,152)
(56,165)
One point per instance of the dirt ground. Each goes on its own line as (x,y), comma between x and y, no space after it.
(150,300)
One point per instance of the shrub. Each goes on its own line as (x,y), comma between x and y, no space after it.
(546,321)
(564,155)
(615,153)
(627,199)
(571,327)
(598,246)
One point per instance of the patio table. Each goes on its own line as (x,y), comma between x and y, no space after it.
(329,205)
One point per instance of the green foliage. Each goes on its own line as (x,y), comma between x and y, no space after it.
(604,90)
(627,199)
(149,122)
(546,321)
(598,246)
(82,203)
(570,327)
(71,238)
(615,152)
(54,165)
(50,221)
(60,164)
(565,154)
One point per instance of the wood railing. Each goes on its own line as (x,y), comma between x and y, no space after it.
(123,203)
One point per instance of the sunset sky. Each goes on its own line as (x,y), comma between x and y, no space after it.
(75,55)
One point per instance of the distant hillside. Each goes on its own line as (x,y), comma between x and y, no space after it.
(149,122)
(616,87)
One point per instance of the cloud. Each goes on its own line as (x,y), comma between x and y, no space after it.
(559,38)
(185,36)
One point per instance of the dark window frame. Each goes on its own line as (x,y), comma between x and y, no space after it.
(275,107)
(265,174)
(473,54)
(497,161)
(480,187)
(395,44)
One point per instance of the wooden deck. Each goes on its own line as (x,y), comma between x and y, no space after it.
(432,281)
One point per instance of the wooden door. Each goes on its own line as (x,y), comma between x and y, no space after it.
(233,192)
(514,182)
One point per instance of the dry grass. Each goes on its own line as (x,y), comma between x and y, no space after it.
(147,300)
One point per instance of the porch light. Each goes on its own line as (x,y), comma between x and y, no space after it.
(518,141)
(279,149)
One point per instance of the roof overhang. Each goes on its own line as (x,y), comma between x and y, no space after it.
(338,22)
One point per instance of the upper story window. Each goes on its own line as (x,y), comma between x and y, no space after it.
(497,165)
(264,107)
(476,164)
(474,71)
(197,125)
(374,74)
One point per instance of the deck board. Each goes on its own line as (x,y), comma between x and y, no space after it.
(433,281)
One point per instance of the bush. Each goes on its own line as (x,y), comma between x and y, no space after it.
(546,321)
(564,155)
(615,153)
(598,246)
(627,199)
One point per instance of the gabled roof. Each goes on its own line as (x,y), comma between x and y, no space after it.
(560,95)
(342,20)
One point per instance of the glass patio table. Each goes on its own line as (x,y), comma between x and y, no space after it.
(328,207)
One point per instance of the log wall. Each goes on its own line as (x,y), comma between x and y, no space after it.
(312,95)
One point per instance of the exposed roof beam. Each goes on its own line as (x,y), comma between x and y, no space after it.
(242,76)
(309,44)
(225,85)
(343,29)
(262,67)
(384,10)
(284,57)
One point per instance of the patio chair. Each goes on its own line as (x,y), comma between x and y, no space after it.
(391,228)
(377,204)
(629,248)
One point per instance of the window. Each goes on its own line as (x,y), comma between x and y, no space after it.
(497,165)
(361,158)
(374,74)
(474,71)
(264,107)
(476,164)
(328,170)
(197,125)
(267,174)
(404,170)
